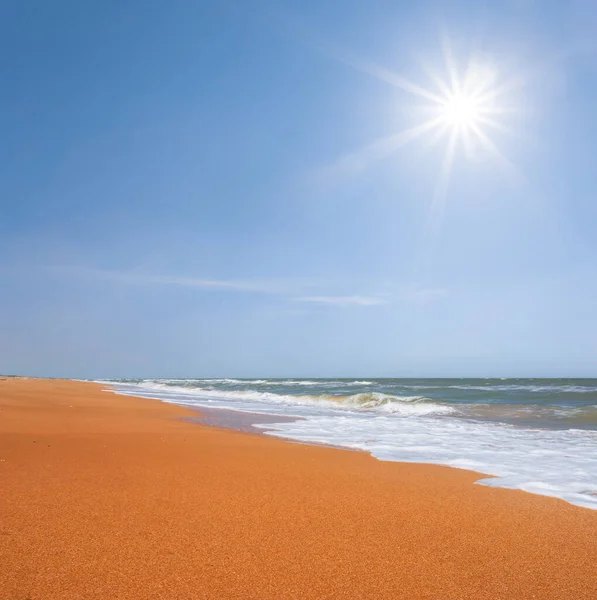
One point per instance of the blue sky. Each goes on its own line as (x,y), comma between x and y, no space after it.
(199,189)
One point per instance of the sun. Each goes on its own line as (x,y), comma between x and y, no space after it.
(461,111)
(463,103)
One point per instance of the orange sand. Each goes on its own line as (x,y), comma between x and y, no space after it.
(108,497)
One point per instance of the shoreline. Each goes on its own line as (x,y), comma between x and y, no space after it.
(251,423)
(497,449)
(106,495)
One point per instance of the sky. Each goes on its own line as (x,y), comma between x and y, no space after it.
(255,189)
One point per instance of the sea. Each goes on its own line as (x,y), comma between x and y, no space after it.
(536,435)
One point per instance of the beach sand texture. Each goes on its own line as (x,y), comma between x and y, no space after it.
(111,497)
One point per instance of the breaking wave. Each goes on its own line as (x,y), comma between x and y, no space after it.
(367,401)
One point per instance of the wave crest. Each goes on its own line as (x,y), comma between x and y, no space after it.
(388,403)
(365,401)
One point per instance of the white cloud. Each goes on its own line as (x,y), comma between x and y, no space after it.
(296,288)
(137,277)
(344,300)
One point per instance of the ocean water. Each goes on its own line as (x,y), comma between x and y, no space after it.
(537,435)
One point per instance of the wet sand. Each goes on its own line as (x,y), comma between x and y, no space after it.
(112,497)
(237,420)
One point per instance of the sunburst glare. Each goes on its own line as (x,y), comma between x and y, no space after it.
(467,106)
(462,108)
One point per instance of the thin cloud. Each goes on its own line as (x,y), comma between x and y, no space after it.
(271,286)
(344,300)
(278,286)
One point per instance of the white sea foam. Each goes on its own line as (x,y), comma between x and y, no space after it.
(242,400)
(560,463)
(553,463)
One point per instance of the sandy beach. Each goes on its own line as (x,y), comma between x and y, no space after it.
(105,496)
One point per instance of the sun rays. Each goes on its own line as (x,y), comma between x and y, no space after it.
(463,109)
